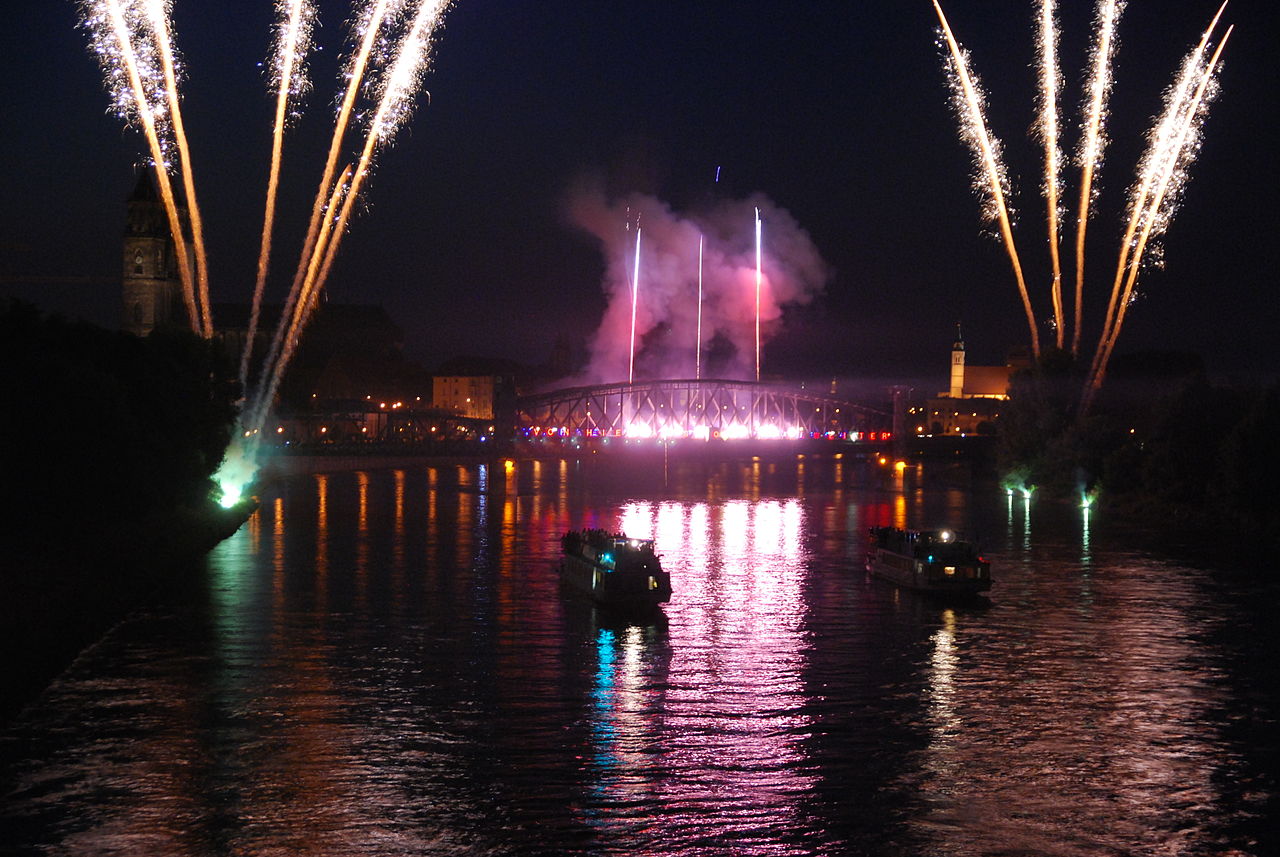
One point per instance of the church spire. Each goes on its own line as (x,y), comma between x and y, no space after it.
(957,365)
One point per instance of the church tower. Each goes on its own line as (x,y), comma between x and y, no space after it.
(957,365)
(152,289)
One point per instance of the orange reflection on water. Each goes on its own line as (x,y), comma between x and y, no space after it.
(277,541)
(322,538)
(433,519)
(465,538)
(399,507)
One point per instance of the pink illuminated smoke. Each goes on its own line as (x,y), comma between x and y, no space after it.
(667,309)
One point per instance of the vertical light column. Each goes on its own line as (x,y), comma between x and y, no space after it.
(758,294)
(635,295)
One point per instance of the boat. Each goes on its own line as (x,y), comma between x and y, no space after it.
(933,561)
(613,570)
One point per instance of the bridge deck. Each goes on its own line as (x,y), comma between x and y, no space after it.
(694,408)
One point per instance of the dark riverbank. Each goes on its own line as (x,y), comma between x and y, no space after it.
(107,459)
(60,597)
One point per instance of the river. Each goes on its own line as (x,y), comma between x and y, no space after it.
(382,662)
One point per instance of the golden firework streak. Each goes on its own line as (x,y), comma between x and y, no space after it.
(128,57)
(1094,143)
(1152,219)
(1050,81)
(977,133)
(355,76)
(157,16)
(400,85)
(291,325)
(292,49)
(1160,151)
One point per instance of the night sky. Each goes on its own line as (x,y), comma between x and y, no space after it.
(837,112)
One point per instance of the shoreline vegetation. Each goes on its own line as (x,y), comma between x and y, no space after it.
(1161,443)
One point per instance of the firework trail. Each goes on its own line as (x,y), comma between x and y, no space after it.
(133,43)
(1159,210)
(1163,150)
(1050,84)
(1094,142)
(1172,145)
(287,334)
(394,108)
(157,13)
(395,105)
(635,302)
(127,57)
(969,102)
(293,42)
(368,24)
(758,281)
(697,359)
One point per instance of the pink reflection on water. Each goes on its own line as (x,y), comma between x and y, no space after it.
(734,708)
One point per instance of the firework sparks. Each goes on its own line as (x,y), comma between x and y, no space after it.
(395,99)
(369,23)
(1168,187)
(121,39)
(132,40)
(293,42)
(157,15)
(1163,152)
(290,327)
(1050,84)
(697,359)
(1172,145)
(395,105)
(991,179)
(1094,142)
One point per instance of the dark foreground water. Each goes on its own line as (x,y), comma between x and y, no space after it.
(383,663)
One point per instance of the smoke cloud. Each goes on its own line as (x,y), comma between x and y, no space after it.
(666,317)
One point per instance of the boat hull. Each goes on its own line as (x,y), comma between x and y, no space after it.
(615,589)
(970,578)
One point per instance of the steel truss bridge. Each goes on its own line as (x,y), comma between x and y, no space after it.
(697,409)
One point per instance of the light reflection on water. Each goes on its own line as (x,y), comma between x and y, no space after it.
(381,662)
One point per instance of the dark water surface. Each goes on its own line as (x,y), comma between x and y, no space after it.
(382,662)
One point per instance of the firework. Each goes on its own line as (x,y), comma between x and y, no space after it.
(758,279)
(1050,84)
(1094,142)
(293,41)
(991,178)
(291,324)
(395,105)
(368,25)
(697,358)
(1163,153)
(1173,143)
(126,51)
(157,15)
(1174,158)
(635,300)
(395,97)
(133,43)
